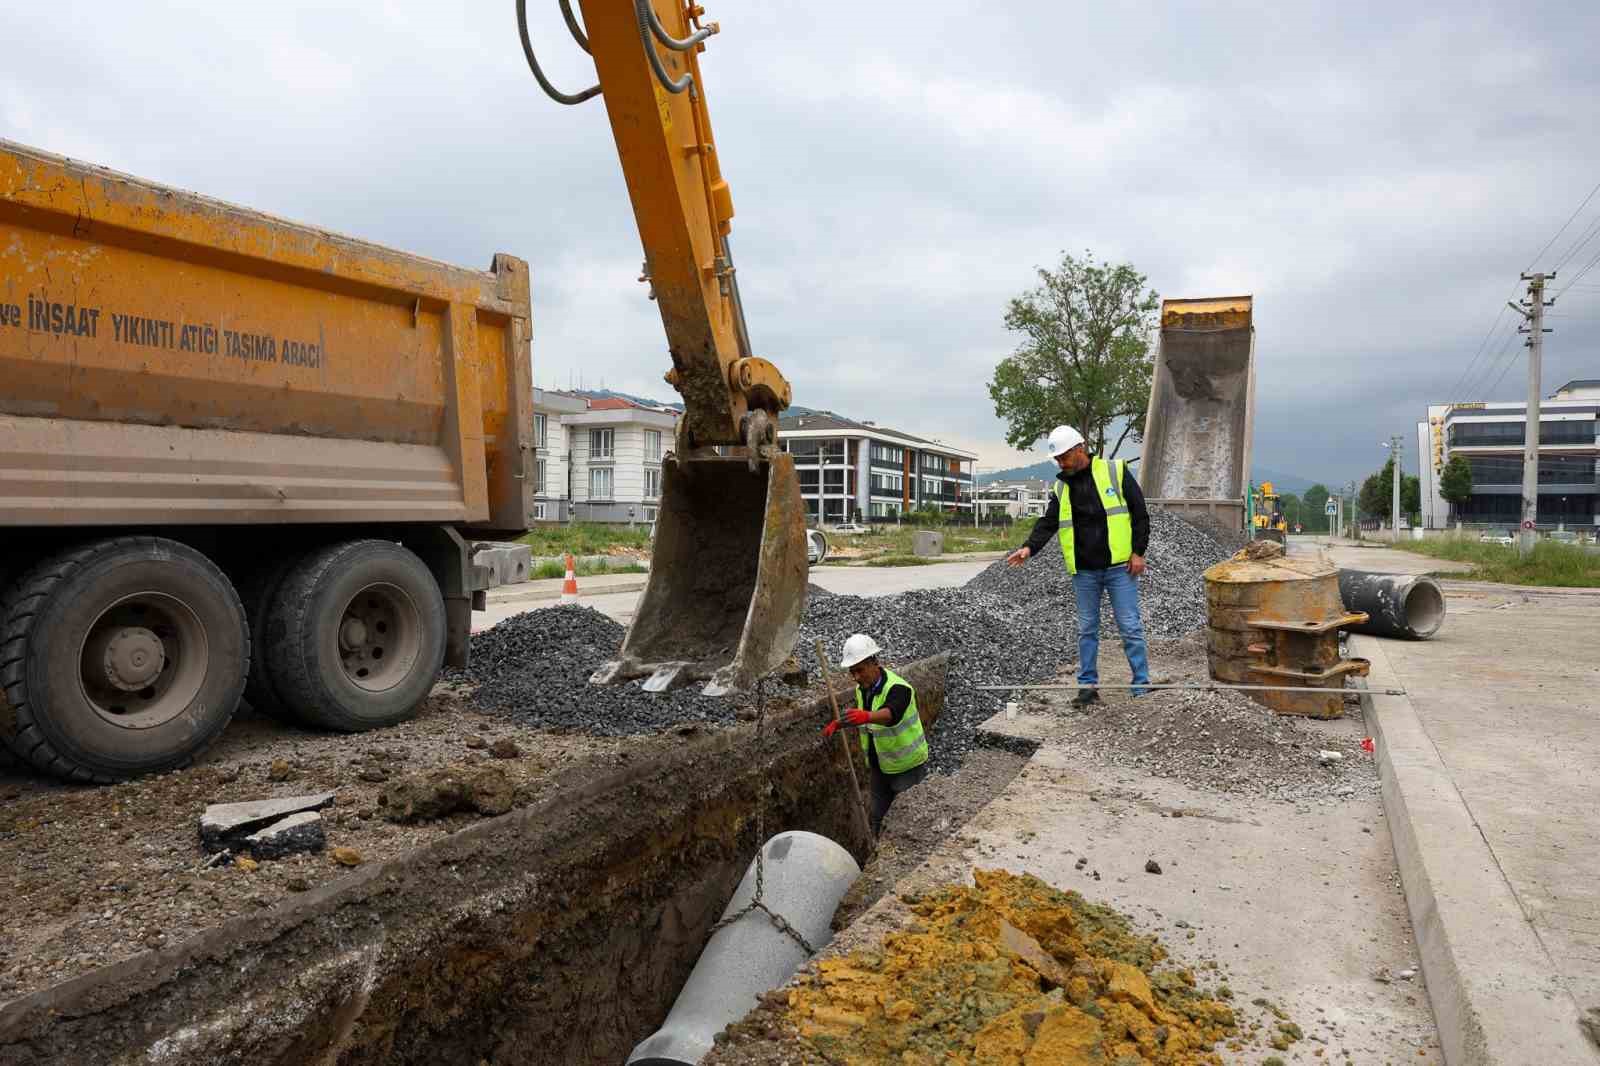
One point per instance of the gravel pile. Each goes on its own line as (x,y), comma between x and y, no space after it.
(1005,625)
(1219,741)
(534,668)
(1171,592)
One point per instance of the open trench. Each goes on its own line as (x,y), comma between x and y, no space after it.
(558,933)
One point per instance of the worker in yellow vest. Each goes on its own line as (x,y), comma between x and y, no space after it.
(891,728)
(1098,514)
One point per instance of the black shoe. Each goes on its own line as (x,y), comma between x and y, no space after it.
(1085,697)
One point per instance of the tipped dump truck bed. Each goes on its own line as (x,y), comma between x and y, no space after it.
(1202,409)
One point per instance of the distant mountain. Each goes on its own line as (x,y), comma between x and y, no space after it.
(1047,469)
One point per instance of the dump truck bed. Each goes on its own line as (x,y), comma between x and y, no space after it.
(1202,409)
(172,359)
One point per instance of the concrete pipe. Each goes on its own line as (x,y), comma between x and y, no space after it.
(1398,605)
(806,876)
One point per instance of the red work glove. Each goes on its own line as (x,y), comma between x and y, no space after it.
(829,729)
(855,716)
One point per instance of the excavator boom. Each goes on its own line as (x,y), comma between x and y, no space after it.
(728,578)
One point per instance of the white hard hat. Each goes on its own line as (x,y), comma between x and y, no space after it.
(858,648)
(1062,440)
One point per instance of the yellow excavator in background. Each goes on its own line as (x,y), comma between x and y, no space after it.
(728,578)
(1270,523)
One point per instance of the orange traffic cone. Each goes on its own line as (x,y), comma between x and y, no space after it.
(569,587)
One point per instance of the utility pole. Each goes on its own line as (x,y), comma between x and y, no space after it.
(1395,444)
(1532,311)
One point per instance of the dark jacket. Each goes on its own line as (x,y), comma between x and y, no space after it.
(1092,550)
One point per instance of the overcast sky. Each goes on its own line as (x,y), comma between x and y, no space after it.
(1375,174)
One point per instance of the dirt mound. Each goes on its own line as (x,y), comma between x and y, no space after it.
(1009,971)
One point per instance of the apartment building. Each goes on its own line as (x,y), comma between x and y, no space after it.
(615,448)
(551,500)
(1491,436)
(850,470)
(1026,498)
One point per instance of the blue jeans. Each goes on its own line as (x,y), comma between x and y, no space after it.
(1123,589)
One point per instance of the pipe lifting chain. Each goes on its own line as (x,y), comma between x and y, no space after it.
(756,903)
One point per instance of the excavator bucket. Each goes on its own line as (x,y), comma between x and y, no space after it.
(727,580)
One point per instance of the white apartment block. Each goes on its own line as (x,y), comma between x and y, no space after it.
(1491,436)
(614,451)
(551,500)
(1016,499)
(850,468)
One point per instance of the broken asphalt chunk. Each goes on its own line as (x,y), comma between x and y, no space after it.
(224,824)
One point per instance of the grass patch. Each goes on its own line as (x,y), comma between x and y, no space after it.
(586,538)
(1551,564)
(896,540)
(900,560)
(585,568)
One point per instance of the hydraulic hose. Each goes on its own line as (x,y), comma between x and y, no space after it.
(572,24)
(645,16)
(666,38)
(742,330)
(533,63)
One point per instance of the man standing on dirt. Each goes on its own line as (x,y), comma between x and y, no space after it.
(891,729)
(1098,514)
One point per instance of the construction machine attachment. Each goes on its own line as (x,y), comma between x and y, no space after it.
(728,578)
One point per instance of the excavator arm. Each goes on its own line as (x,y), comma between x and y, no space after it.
(728,575)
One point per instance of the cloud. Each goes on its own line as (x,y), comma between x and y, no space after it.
(1376,175)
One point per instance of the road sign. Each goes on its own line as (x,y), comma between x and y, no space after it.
(1330,508)
(1527,524)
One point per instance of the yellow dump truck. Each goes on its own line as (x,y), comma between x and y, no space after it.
(234,449)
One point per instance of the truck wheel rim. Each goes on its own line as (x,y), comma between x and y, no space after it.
(143,660)
(379,636)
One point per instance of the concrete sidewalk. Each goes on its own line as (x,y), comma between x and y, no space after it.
(1489,776)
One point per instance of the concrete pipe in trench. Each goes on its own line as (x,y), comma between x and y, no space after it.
(1397,605)
(806,876)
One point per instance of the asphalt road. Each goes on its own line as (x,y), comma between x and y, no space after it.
(851,580)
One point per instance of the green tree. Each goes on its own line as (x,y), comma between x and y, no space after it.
(1455,483)
(1377,493)
(1084,357)
(1293,510)
(1316,501)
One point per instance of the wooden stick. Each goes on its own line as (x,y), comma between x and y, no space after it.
(849,756)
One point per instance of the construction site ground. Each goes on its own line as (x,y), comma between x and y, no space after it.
(1281,883)
(1288,896)
(1489,766)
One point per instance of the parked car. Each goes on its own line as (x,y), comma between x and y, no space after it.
(1564,536)
(852,527)
(1502,537)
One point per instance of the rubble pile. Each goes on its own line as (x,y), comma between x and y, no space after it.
(1005,625)
(1010,970)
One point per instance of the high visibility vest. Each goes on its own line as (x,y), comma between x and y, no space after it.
(1119,524)
(900,747)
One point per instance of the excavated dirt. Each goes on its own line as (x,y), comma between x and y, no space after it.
(921,818)
(1008,970)
(558,933)
(91,875)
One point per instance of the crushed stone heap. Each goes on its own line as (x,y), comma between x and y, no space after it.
(1005,625)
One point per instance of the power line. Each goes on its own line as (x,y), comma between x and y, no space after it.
(1563,229)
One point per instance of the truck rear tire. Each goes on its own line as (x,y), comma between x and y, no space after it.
(120,657)
(356,636)
(259,591)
